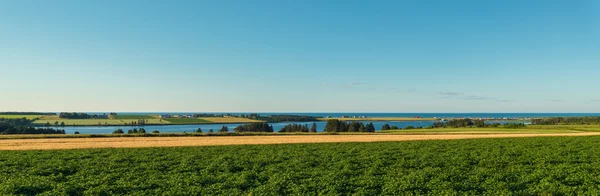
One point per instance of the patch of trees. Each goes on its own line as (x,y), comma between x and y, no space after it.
(388,127)
(254,127)
(223,129)
(335,125)
(75,115)
(457,123)
(29,113)
(292,128)
(135,130)
(567,121)
(24,126)
(206,115)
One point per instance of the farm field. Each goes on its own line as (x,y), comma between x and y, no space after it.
(122,119)
(519,166)
(132,117)
(379,119)
(20,116)
(97,122)
(186,120)
(173,140)
(229,120)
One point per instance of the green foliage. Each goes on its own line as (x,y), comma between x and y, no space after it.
(199,130)
(292,128)
(155,132)
(75,115)
(567,121)
(252,127)
(458,123)
(385,127)
(24,126)
(118,131)
(334,125)
(223,129)
(517,166)
(313,128)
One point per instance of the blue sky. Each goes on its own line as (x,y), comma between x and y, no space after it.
(300,56)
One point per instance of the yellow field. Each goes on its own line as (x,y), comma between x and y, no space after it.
(379,119)
(20,116)
(137,142)
(229,120)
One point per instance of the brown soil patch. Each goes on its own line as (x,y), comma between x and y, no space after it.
(78,143)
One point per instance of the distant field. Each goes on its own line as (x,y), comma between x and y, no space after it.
(133,117)
(20,116)
(186,120)
(229,120)
(380,119)
(96,122)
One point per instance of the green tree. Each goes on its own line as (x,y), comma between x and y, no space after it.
(47,124)
(155,132)
(62,124)
(370,127)
(211,131)
(199,130)
(224,129)
(118,131)
(385,127)
(142,130)
(313,128)
(56,123)
(76,133)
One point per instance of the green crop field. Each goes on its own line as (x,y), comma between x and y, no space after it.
(186,120)
(133,117)
(520,166)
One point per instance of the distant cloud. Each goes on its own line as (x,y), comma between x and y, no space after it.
(473,97)
(448,94)
(351,84)
(505,101)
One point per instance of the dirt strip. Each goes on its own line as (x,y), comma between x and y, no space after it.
(135,142)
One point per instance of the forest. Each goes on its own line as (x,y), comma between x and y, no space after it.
(24,126)
(75,115)
(254,127)
(334,125)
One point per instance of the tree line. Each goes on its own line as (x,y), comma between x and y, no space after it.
(24,126)
(254,127)
(75,115)
(29,113)
(292,128)
(458,123)
(567,121)
(335,125)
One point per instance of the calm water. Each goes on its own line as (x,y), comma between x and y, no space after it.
(216,127)
(424,115)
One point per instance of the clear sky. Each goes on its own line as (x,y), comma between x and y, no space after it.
(300,56)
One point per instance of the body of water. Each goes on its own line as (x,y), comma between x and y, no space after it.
(217,127)
(423,115)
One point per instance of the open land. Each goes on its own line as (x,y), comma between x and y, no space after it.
(120,141)
(150,120)
(506,166)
